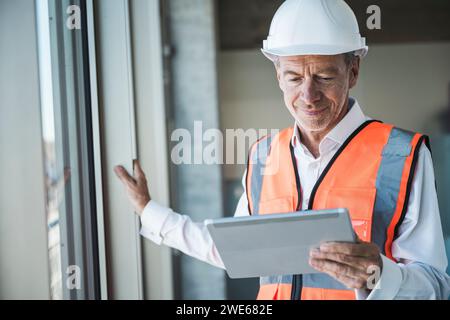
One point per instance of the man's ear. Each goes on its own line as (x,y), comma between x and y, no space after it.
(354,72)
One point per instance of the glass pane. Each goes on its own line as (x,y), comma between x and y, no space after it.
(67,136)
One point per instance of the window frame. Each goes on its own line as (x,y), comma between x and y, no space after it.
(73,115)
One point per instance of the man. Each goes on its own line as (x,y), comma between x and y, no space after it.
(333,157)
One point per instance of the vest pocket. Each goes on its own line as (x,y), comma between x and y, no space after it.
(360,203)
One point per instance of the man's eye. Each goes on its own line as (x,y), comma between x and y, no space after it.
(326,78)
(295,79)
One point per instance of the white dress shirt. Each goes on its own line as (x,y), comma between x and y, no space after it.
(419,247)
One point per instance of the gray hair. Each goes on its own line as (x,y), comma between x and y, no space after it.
(349,57)
(276,62)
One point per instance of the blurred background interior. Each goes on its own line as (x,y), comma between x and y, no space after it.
(76,102)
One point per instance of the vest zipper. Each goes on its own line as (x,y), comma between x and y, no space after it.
(297,279)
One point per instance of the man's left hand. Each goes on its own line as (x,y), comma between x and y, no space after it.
(352,264)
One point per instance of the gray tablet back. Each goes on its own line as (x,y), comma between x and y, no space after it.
(276,244)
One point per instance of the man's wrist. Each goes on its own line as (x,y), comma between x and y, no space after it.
(387,286)
(140,210)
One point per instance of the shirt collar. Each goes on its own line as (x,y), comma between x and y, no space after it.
(351,121)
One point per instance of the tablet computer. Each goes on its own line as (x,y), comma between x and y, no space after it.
(276,244)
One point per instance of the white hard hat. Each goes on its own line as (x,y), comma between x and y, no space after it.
(314,27)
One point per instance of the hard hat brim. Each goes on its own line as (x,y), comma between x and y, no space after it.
(304,50)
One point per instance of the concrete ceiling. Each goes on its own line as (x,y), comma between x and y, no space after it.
(243,24)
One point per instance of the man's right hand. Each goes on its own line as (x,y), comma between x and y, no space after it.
(136,186)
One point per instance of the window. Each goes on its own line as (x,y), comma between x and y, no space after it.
(68,149)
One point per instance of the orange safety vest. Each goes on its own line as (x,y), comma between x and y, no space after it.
(370,175)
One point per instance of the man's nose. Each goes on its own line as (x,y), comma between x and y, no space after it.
(309,92)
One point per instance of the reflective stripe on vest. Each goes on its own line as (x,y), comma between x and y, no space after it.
(370,175)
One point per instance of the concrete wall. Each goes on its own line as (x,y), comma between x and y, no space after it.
(198,188)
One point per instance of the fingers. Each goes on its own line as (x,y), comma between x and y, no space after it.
(349,282)
(361,263)
(348,263)
(136,187)
(336,268)
(348,276)
(138,180)
(123,175)
(139,174)
(353,249)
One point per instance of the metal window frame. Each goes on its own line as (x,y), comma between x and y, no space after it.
(75,136)
(151,133)
(118,146)
(96,139)
(115,242)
